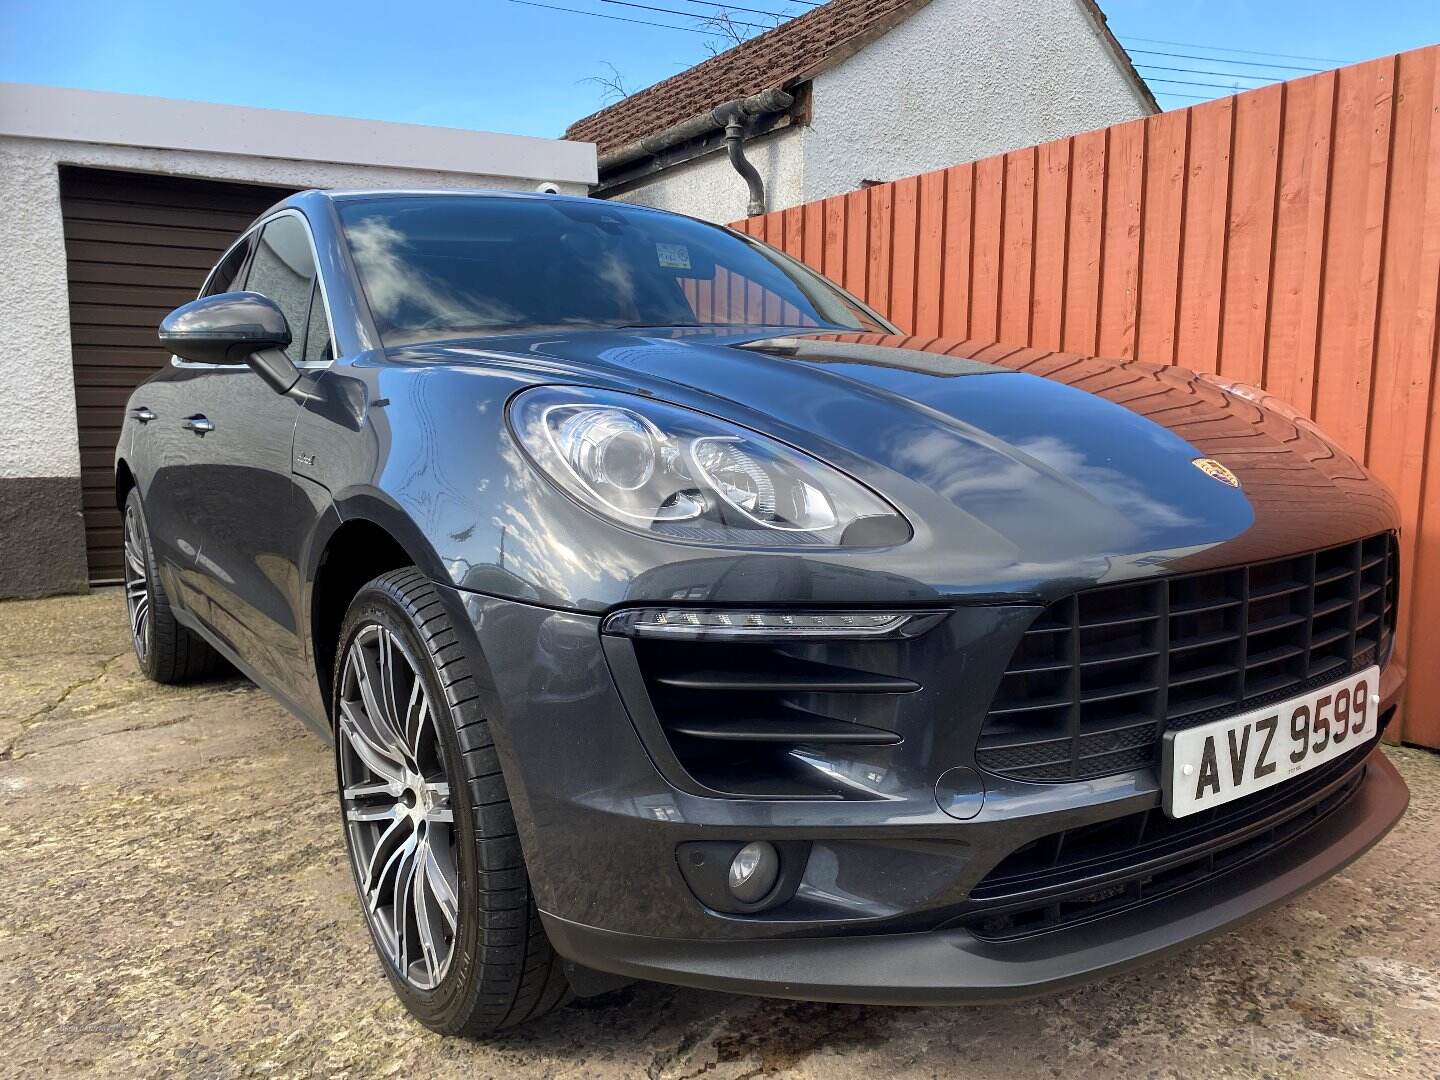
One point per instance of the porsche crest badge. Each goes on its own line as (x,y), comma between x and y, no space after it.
(1212,468)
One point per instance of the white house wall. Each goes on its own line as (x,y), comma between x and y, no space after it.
(961,80)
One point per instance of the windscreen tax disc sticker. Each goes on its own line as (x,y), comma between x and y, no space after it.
(673,256)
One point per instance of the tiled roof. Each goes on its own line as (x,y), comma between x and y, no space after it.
(800,48)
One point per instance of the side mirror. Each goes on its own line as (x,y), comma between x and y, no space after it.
(233,328)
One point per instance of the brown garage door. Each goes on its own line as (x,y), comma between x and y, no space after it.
(136,246)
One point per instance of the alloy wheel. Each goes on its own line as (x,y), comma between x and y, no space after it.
(137,583)
(396,800)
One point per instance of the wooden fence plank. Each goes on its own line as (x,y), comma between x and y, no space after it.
(1202,244)
(1017,268)
(880,270)
(959,247)
(813,233)
(930,254)
(1087,227)
(987,233)
(1052,211)
(857,243)
(1250,234)
(1167,141)
(834,267)
(904,239)
(1359,180)
(1300,240)
(1120,259)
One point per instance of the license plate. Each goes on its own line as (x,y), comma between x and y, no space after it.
(1215,763)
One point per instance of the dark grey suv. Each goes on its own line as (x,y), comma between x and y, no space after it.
(673,617)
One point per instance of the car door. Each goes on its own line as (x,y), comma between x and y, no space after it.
(165,449)
(239,496)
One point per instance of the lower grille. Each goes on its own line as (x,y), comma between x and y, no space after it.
(764,720)
(1101,675)
(1084,873)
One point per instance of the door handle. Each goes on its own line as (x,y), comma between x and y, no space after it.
(143,414)
(199,424)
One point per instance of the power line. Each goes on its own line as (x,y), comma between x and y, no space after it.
(1223,60)
(1187,97)
(1182,82)
(689,15)
(1203,71)
(1224,48)
(613,18)
(749,10)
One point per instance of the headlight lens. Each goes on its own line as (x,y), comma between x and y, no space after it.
(682,475)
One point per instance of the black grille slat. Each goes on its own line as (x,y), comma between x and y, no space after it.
(1184,650)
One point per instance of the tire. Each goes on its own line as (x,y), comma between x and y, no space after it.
(450,913)
(166,651)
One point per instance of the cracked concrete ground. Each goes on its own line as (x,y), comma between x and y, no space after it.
(175,903)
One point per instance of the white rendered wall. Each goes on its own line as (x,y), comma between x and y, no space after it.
(90,116)
(38,435)
(961,80)
(710,188)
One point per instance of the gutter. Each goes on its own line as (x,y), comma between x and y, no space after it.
(733,117)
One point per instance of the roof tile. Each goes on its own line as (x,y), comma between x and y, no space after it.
(799,47)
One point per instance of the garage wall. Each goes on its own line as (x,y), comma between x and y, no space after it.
(136,246)
(40,462)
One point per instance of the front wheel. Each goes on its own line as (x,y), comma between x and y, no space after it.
(428,825)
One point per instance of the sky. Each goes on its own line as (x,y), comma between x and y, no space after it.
(503,65)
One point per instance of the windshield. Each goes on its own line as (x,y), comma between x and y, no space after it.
(439,265)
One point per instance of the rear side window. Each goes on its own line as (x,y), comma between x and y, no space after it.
(226,277)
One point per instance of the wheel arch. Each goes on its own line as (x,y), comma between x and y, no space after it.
(354,546)
(124,483)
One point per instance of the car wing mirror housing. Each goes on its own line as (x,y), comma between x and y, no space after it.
(234,328)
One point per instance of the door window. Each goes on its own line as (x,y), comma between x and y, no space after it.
(284,270)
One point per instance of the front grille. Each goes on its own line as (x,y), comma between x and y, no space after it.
(1094,870)
(1102,674)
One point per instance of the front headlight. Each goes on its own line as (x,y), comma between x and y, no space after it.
(676,474)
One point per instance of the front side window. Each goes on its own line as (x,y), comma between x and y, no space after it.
(283,269)
(439,265)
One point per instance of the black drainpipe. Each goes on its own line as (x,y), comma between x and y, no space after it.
(732,117)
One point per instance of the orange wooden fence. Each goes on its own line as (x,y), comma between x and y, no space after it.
(1287,237)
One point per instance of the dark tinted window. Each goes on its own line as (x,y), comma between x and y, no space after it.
(436,265)
(226,277)
(284,270)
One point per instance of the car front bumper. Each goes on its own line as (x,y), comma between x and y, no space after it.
(882,912)
(951,967)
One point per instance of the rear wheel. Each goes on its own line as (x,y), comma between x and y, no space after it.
(428,824)
(166,651)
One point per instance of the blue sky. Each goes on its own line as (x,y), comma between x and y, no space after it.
(500,66)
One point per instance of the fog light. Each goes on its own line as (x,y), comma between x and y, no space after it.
(753,872)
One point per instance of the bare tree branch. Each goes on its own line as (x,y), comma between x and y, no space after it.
(611,87)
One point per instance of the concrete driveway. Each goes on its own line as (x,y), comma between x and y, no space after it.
(175,901)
